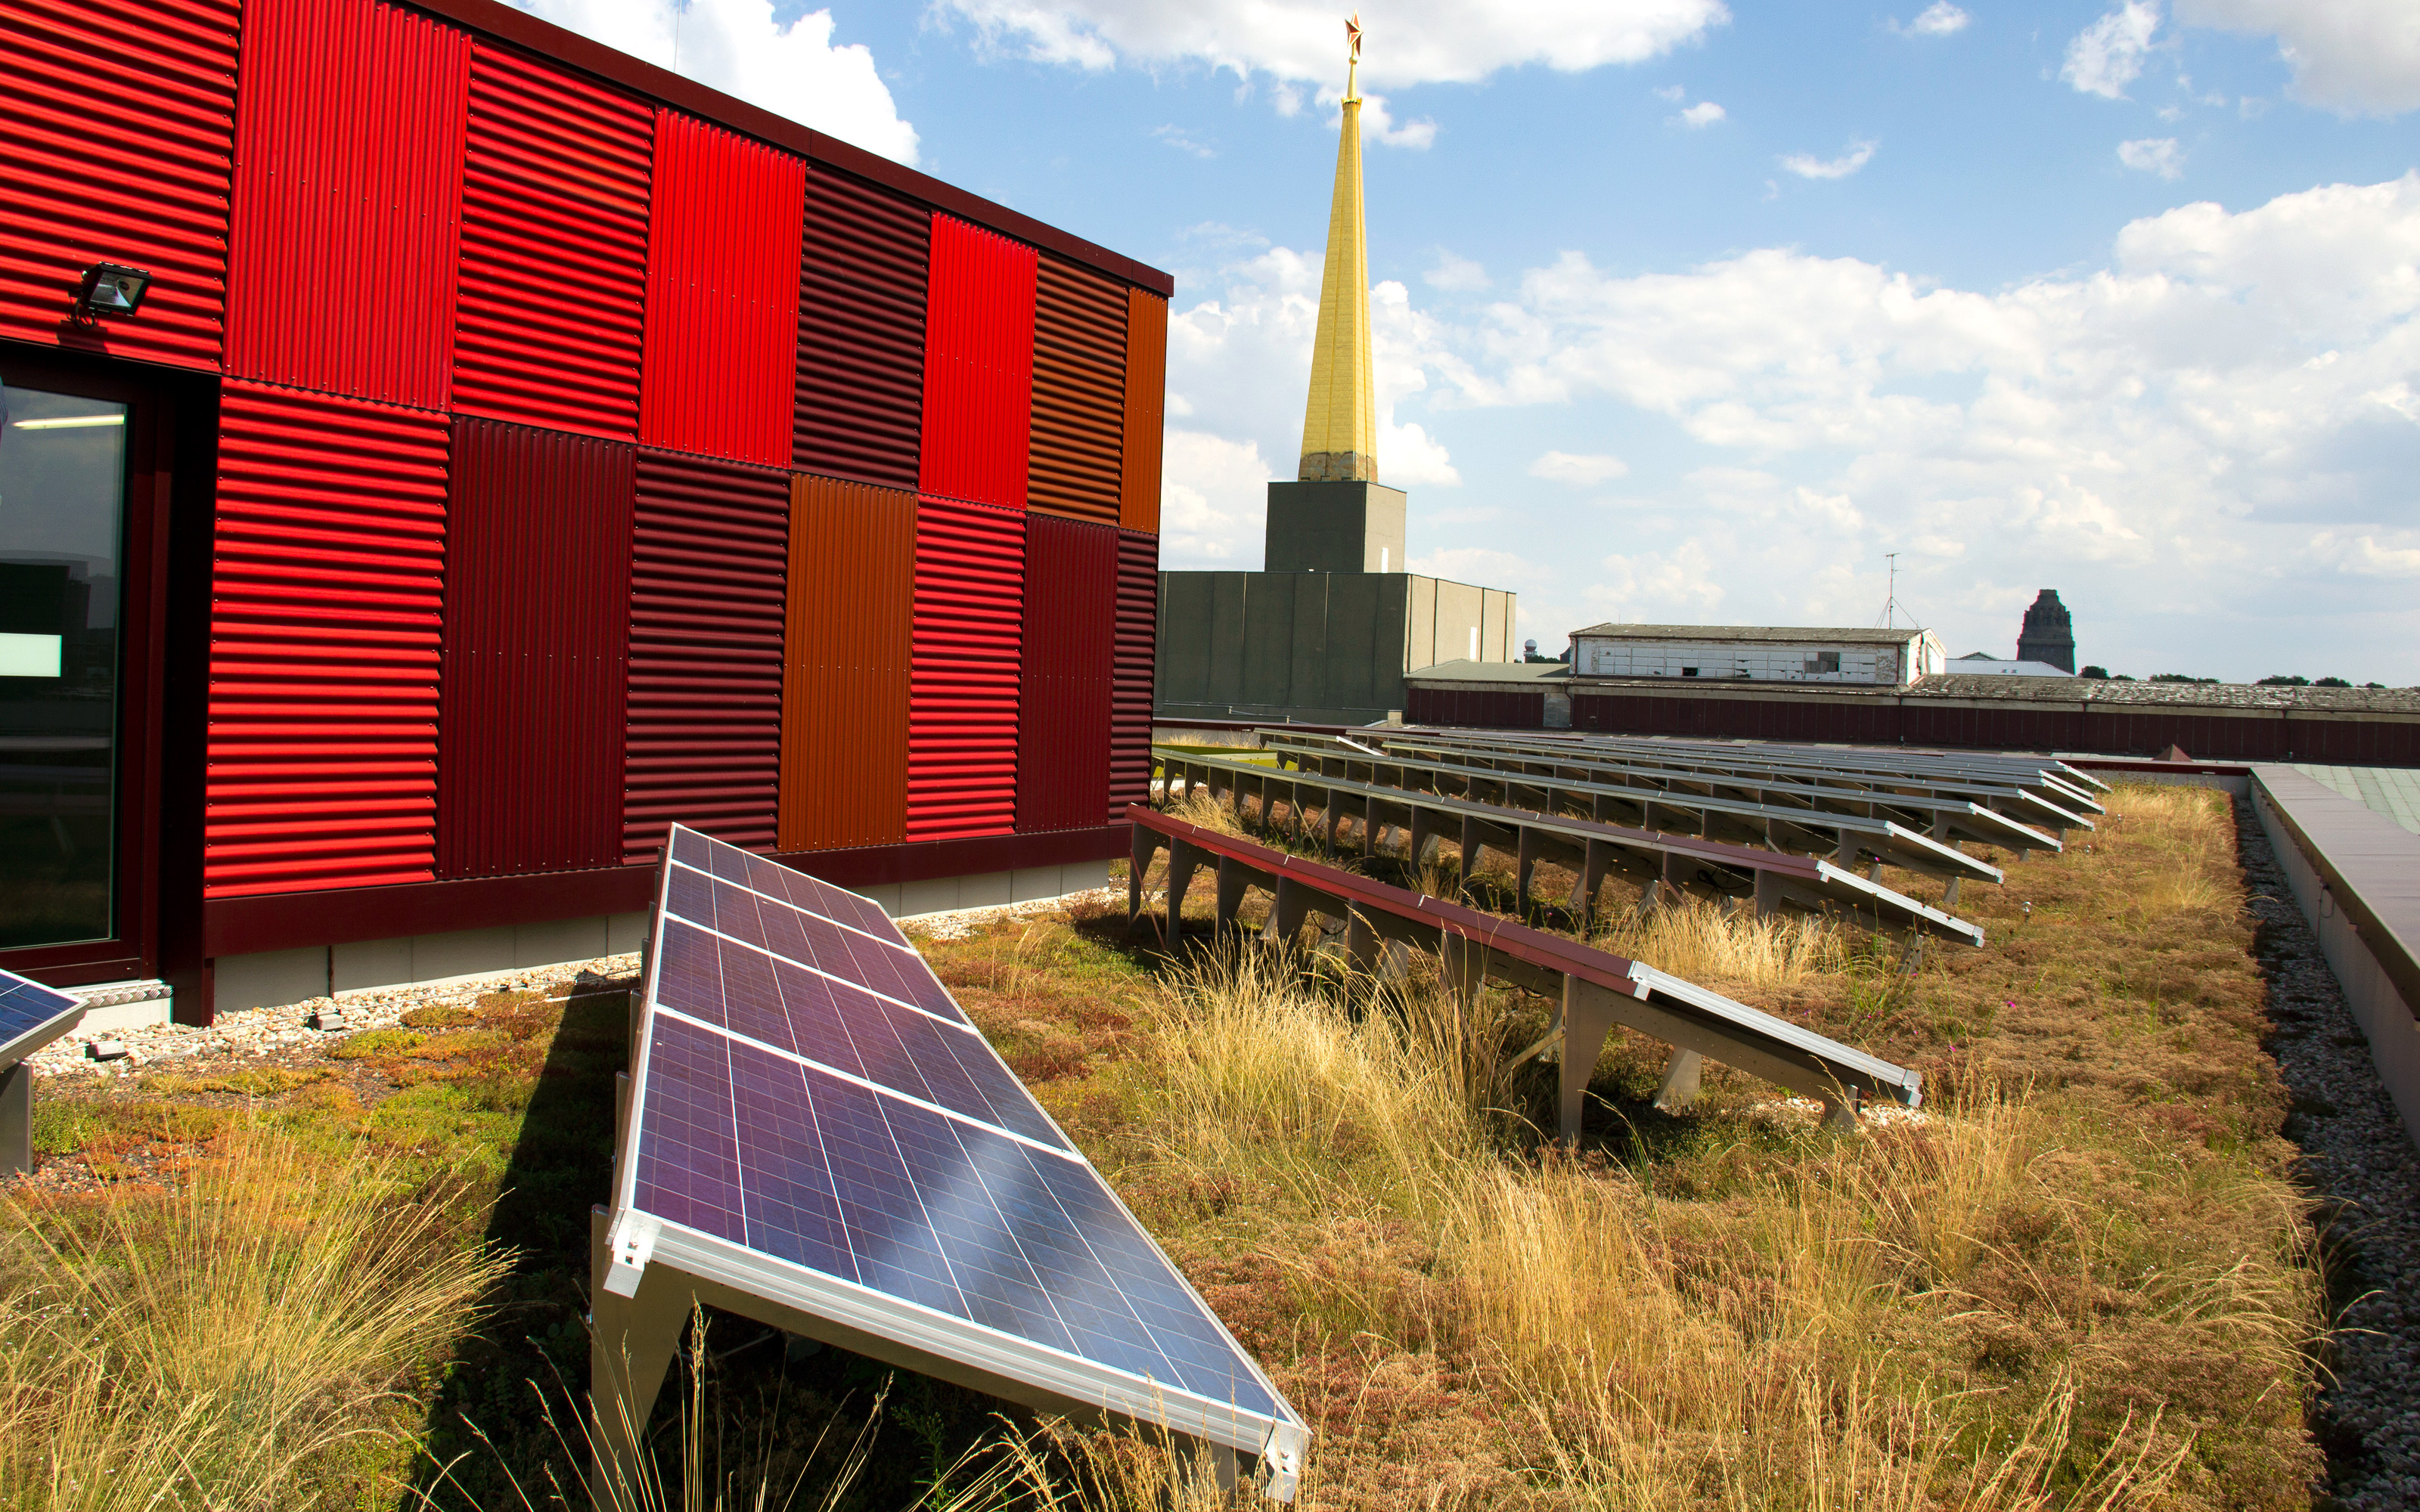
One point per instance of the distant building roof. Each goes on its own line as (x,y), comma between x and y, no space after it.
(1977,664)
(1785,634)
(1981,688)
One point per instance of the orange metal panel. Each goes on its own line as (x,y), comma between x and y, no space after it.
(970,639)
(327,591)
(847,661)
(1080,380)
(348,199)
(1146,393)
(722,295)
(116,126)
(554,248)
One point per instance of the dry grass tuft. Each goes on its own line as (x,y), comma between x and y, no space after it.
(1706,942)
(251,1339)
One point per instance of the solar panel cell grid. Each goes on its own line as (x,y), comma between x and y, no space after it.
(795,1100)
(26,1006)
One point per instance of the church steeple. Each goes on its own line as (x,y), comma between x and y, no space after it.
(1340,423)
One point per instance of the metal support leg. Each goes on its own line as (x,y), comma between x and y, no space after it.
(16,1120)
(1361,943)
(1840,1113)
(1768,894)
(1286,914)
(1182,859)
(1232,880)
(1465,967)
(1874,872)
(1524,861)
(1588,1018)
(1949,894)
(1680,1086)
(632,1341)
(1592,879)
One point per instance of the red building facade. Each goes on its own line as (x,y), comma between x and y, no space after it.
(519,449)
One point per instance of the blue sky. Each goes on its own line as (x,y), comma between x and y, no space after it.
(2118,299)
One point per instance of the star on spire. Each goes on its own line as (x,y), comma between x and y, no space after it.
(1352,36)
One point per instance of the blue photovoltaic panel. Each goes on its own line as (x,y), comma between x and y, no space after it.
(28,1007)
(809,1091)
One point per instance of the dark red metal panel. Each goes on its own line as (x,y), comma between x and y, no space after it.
(1080,398)
(722,295)
(554,248)
(962,707)
(326,604)
(1071,627)
(348,199)
(861,385)
(537,594)
(978,367)
(1482,708)
(1130,689)
(709,552)
(116,126)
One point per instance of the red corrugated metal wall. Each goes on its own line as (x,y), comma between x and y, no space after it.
(1131,671)
(1481,708)
(1080,381)
(978,365)
(1145,396)
(849,656)
(347,195)
(537,594)
(709,553)
(327,595)
(963,715)
(554,248)
(1071,620)
(861,382)
(117,124)
(723,294)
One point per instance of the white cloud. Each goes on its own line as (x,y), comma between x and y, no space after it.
(1378,123)
(1214,496)
(1704,112)
(1672,92)
(1586,470)
(1456,274)
(1940,19)
(2356,57)
(1184,141)
(2153,154)
(1418,41)
(735,46)
(2108,56)
(2207,442)
(1807,166)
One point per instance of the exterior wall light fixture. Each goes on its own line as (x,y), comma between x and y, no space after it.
(112,288)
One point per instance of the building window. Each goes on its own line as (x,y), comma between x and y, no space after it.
(1824,661)
(1688,671)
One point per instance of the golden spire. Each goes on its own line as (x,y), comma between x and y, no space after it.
(1340,425)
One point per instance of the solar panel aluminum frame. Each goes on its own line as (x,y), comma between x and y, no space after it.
(16,1082)
(632,1248)
(31,1039)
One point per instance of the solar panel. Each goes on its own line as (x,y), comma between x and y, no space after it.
(812,1120)
(32,1015)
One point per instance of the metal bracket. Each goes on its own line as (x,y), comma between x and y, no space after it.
(632,1243)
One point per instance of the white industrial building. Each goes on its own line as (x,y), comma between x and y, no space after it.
(1758,654)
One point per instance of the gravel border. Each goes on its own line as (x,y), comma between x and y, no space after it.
(2359,1163)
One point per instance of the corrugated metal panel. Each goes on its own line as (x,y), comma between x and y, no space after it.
(962,715)
(1484,708)
(711,551)
(848,658)
(1079,394)
(1130,688)
(978,367)
(1146,395)
(348,199)
(554,248)
(327,595)
(1071,620)
(860,389)
(722,295)
(537,597)
(149,88)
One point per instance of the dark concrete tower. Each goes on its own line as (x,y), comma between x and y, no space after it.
(2048,635)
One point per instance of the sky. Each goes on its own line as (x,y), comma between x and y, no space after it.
(1694,312)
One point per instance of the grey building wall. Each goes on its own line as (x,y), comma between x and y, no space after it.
(1333,527)
(1325,647)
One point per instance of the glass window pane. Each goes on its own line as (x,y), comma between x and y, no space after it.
(62,503)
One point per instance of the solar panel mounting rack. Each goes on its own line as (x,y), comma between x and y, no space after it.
(31,1016)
